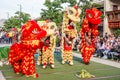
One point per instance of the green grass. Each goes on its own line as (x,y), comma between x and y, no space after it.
(66,72)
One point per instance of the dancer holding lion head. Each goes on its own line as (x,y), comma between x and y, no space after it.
(69,32)
(47,50)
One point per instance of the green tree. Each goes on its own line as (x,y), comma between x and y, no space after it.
(11,22)
(71,2)
(87,4)
(117,32)
(53,11)
(17,20)
(23,17)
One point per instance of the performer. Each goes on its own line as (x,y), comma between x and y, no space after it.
(21,55)
(69,32)
(89,32)
(47,55)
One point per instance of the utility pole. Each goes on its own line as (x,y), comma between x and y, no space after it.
(20,10)
(20,13)
(7,15)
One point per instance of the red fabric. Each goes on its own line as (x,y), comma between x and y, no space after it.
(7,35)
(89,32)
(67,47)
(70,27)
(93,15)
(87,52)
(21,55)
(45,48)
(76,7)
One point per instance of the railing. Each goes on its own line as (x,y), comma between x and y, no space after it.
(113,18)
(114,24)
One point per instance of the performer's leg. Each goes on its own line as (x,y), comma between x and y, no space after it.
(16,67)
(39,60)
(28,66)
(25,64)
(51,59)
(70,57)
(44,58)
(31,65)
(64,57)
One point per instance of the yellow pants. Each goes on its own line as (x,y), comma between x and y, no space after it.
(48,56)
(67,56)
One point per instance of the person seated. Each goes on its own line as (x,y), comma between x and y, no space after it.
(117,54)
(108,48)
(100,49)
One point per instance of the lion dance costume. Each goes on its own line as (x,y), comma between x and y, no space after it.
(70,18)
(21,55)
(89,33)
(48,45)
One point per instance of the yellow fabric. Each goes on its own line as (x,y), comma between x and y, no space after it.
(10,34)
(67,56)
(48,56)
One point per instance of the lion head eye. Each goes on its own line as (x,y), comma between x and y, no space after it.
(35,31)
(90,15)
(52,27)
(70,12)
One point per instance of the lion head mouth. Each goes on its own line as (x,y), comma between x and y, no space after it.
(49,27)
(73,14)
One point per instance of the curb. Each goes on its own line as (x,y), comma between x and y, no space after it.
(102,61)
(1,76)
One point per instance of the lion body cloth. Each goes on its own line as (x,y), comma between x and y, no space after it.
(21,55)
(48,45)
(70,19)
(89,33)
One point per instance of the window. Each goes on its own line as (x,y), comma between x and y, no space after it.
(115,7)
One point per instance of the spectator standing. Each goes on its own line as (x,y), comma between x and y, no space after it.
(10,36)
(7,37)
(1,36)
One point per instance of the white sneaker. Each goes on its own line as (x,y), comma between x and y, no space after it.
(71,63)
(44,66)
(63,62)
(38,63)
(52,66)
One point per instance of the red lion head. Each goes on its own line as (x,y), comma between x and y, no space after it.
(31,33)
(93,15)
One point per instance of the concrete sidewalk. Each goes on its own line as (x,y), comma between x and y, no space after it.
(1,76)
(2,45)
(102,61)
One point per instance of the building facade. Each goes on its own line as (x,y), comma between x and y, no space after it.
(112,16)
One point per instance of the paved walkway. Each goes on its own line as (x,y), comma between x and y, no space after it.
(2,45)
(98,60)
(102,61)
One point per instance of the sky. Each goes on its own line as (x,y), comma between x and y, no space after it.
(32,7)
(9,7)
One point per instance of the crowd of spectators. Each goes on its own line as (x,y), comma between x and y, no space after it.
(108,47)
(9,37)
